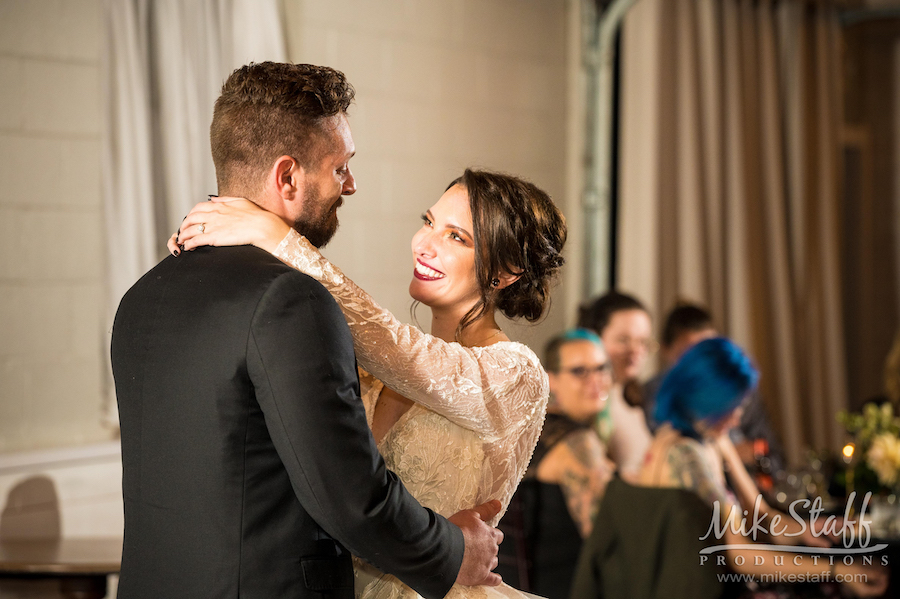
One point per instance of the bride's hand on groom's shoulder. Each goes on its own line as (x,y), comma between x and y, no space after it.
(228,221)
(482,544)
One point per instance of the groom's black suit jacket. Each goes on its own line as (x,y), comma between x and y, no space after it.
(248,467)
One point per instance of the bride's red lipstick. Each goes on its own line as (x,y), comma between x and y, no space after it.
(420,273)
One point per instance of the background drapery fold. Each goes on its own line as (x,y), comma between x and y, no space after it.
(164,64)
(745,203)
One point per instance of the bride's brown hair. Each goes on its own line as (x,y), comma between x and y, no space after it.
(518,230)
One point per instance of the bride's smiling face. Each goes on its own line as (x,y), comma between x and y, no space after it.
(444,255)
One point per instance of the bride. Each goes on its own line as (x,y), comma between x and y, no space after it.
(456,414)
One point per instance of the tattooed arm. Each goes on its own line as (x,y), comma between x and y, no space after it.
(578,464)
(688,464)
(691,466)
(791,532)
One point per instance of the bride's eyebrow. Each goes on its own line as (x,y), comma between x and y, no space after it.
(428,215)
(460,230)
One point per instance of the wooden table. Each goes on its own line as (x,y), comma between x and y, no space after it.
(80,566)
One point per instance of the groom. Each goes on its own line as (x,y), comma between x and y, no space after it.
(248,467)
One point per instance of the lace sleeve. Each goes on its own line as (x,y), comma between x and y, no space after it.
(491,390)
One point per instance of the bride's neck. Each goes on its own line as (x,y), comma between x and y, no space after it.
(483,331)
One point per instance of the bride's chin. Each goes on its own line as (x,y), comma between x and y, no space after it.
(417,295)
(428,303)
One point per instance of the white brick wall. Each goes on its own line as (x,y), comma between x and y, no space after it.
(441,85)
(85,482)
(52,339)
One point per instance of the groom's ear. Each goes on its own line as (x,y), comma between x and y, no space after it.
(283,187)
(286,179)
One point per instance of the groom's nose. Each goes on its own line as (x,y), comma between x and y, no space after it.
(349,187)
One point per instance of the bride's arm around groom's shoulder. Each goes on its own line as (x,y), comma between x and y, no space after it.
(490,390)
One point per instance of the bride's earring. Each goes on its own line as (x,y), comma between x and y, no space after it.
(495,282)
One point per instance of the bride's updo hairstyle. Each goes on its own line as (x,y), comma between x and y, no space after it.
(518,230)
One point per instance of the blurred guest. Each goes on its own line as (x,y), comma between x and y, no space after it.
(624,325)
(686,325)
(562,489)
(570,454)
(698,402)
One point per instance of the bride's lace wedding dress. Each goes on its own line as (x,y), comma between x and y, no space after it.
(477,415)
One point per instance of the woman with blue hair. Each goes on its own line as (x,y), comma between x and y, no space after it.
(698,402)
(706,386)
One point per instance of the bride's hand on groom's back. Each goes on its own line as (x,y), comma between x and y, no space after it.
(482,543)
(228,221)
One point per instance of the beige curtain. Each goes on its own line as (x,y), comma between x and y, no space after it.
(729,179)
(164,65)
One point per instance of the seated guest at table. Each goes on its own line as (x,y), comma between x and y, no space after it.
(570,454)
(686,325)
(624,325)
(564,483)
(698,401)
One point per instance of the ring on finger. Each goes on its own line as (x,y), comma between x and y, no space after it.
(201,227)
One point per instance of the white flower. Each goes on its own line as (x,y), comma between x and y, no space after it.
(884,458)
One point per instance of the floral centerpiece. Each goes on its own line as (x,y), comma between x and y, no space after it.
(884,458)
(875,456)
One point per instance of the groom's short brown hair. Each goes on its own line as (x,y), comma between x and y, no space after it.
(271,109)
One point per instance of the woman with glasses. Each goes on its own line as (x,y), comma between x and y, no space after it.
(562,489)
(624,325)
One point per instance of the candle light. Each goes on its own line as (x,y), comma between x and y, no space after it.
(848,450)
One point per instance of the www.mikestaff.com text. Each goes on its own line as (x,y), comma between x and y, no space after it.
(825,576)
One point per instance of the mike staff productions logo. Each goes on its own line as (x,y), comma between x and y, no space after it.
(854,532)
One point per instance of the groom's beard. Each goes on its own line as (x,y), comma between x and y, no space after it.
(317,228)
